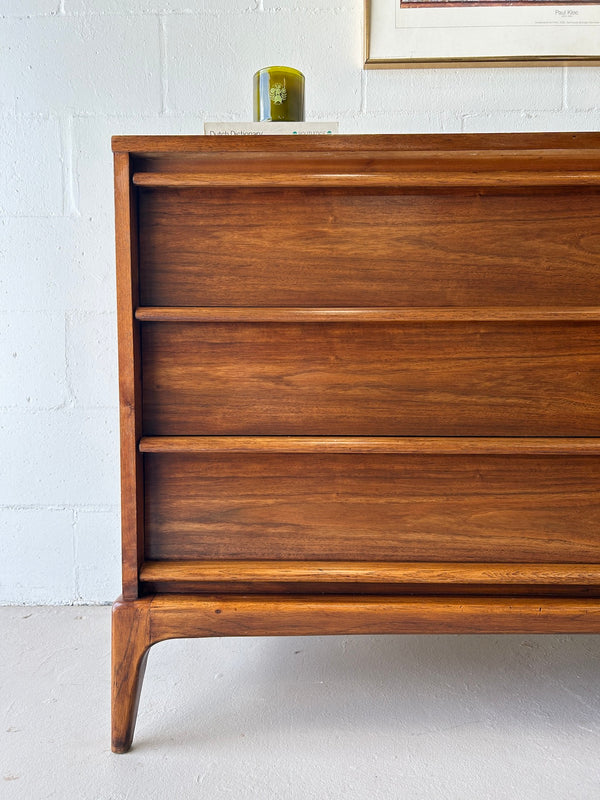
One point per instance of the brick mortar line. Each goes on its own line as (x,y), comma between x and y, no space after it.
(82,508)
(163,66)
(75,555)
(150,12)
(66,406)
(196,115)
(71,393)
(40,605)
(70,205)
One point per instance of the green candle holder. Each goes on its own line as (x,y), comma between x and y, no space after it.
(278,95)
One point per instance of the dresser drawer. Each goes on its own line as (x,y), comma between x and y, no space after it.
(371,379)
(372,507)
(365,248)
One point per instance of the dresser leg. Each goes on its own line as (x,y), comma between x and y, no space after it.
(130,645)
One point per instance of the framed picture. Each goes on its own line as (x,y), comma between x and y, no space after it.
(454,33)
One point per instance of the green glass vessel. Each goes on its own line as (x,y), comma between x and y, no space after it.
(278,95)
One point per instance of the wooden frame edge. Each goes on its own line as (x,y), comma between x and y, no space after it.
(192,616)
(463,63)
(131,462)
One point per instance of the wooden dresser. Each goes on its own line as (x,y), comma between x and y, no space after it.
(359,388)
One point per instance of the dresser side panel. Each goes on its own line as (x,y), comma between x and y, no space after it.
(130,393)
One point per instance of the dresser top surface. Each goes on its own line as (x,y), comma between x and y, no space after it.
(145,145)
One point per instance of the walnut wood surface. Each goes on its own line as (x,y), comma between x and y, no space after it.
(299,616)
(371,578)
(342,379)
(359,249)
(370,572)
(130,642)
(370,388)
(377,180)
(132,501)
(413,445)
(265,314)
(548,146)
(365,507)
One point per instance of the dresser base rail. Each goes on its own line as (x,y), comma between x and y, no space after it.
(138,624)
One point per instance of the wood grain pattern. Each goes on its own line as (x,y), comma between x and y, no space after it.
(471,379)
(130,643)
(534,163)
(175,616)
(363,179)
(315,248)
(371,578)
(236,571)
(132,502)
(548,146)
(258,314)
(370,388)
(407,445)
(372,507)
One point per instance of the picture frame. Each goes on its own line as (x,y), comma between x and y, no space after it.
(470,33)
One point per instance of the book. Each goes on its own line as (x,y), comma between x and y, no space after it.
(270,128)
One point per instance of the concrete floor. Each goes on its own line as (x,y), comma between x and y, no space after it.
(399,717)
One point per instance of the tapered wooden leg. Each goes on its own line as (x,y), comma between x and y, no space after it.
(130,644)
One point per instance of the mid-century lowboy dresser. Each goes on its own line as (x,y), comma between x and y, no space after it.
(359,388)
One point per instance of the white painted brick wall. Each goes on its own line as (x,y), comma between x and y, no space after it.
(33,368)
(74,72)
(89,63)
(451,90)
(37,561)
(31,173)
(58,457)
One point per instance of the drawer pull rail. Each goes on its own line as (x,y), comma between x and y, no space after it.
(371,572)
(405,445)
(407,179)
(490,314)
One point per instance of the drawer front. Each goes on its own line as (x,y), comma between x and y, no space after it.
(373,507)
(260,247)
(371,379)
